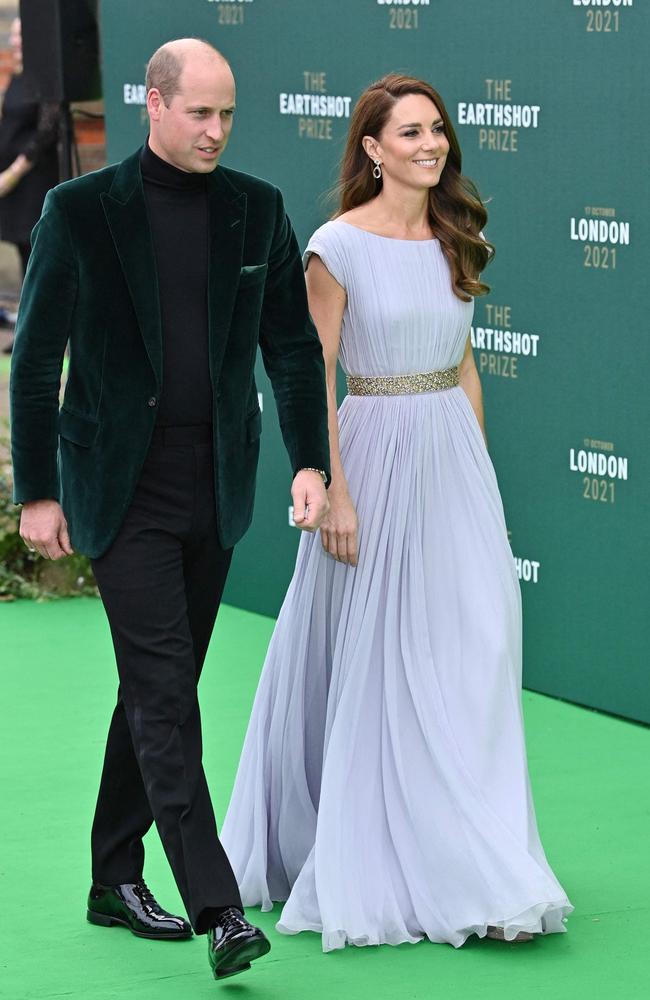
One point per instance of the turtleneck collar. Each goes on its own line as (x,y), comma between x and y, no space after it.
(158,171)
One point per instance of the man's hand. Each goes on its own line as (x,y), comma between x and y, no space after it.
(44,528)
(310,503)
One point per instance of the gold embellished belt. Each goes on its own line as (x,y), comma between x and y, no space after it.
(402,385)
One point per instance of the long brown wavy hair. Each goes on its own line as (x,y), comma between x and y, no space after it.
(456,212)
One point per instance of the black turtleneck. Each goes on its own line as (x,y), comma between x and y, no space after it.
(177,207)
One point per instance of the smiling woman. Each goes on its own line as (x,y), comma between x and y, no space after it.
(403,124)
(383,787)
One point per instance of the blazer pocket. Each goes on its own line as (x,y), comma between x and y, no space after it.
(251,274)
(80,430)
(254,427)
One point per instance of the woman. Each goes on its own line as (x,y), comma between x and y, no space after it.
(28,156)
(383,788)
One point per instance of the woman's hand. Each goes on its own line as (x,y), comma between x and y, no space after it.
(339,529)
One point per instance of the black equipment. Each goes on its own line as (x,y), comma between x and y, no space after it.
(61,59)
(61,49)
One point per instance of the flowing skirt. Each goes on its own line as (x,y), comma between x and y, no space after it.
(383,787)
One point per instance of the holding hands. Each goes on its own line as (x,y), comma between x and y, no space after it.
(333,513)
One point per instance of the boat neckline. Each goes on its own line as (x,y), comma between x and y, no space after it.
(393,239)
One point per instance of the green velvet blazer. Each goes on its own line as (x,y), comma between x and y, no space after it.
(91,282)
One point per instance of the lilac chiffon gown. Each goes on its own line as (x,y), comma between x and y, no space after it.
(383,788)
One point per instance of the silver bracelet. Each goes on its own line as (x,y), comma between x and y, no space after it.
(320,472)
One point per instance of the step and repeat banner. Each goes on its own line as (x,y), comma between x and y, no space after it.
(549,98)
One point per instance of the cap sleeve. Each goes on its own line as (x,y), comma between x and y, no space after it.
(326,245)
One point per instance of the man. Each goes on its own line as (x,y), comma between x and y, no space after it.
(163,273)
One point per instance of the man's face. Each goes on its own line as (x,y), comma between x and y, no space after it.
(193,131)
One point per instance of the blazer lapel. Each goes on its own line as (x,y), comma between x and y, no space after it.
(126,215)
(227,221)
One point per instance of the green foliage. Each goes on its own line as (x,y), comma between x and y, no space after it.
(24,573)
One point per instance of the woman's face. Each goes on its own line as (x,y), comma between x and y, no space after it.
(413,146)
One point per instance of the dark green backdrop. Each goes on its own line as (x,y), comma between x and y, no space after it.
(548,96)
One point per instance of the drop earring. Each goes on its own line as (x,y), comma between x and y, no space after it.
(376,170)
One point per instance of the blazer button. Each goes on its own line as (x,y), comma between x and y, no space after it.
(152,401)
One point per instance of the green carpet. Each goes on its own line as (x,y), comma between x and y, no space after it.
(589,771)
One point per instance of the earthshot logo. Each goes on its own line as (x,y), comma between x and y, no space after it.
(314,107)
(500,346)
(499,119)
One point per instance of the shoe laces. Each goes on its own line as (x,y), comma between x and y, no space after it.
(144,892)
(232,919)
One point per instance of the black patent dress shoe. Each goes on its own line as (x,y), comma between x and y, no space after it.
(132,905)
(233,944)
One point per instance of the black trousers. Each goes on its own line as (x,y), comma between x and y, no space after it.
(161,582)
